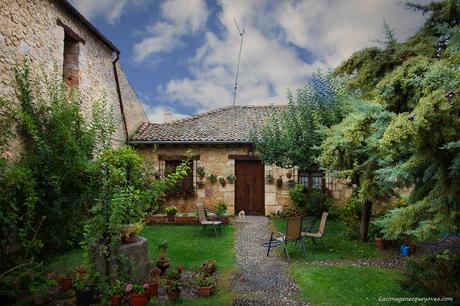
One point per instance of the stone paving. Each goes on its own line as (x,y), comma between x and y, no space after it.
(260,280)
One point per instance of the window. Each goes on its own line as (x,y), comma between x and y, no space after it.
(186,184)
(311,179)
(71,64)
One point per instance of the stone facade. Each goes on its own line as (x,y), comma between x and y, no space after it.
(216,160)
(31,28)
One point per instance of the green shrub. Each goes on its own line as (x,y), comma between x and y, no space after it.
(436,273)
(350,216)
(312,203)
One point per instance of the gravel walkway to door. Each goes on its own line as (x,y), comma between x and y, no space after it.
(260,280)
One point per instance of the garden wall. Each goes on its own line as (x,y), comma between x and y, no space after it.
(30,28)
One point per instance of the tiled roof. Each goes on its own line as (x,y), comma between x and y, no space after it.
(229,124)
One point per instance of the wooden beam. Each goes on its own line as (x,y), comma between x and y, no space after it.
(177,157)
(243,157)
(70,32)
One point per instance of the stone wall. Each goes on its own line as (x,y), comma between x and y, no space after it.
(29,28)
(216,160)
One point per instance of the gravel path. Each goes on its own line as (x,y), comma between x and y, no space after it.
(261,280)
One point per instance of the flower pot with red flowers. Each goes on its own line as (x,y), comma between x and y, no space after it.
(201,172)
(205,284)
(171,213)
(117,290)
(380,244)
(138,294)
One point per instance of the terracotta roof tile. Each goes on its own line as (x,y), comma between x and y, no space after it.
(229,124)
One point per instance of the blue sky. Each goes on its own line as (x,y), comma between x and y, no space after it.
(180,55)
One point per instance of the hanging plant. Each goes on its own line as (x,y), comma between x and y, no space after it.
(200,184)
(222,181)
(212,178)
(289,174)
(200,172)
(231,178)
(279,182)
(270,179)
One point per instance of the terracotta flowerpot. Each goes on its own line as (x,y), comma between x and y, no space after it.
(380,244)
(204,291)
(173,295)
(289,175)
(116,299)
(138,299)
(130,239)
(412,247)
(153,290)
(66,283)
(172,218)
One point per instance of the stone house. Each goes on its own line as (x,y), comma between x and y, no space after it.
(56,38)
(219,142)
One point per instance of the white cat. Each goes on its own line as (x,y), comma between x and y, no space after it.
(242,215)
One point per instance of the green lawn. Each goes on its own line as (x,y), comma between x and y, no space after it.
(189,250)
(184,249)
(339,246)
(348,285)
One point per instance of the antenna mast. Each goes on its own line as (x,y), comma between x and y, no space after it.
(239,57)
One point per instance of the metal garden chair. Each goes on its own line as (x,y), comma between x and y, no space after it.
(202,219)
(292,234)
(319,234)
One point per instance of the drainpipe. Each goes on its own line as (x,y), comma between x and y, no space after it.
(120,100)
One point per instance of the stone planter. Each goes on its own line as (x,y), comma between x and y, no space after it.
(184,219)
(130,239)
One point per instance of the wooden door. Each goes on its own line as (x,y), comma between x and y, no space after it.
(249,187)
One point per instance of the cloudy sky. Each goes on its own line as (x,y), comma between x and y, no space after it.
(181,55)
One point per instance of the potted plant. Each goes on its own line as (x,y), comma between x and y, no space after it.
(205,284)
(279,182)
(293,212)
(153,284)
(231,178)
(200,172)
(116,293)
(138,294)
(128,232)
(173,288)
(207,268)
(222,181)
(291,183)
(171,212)
(85,286)
(200,184)
(221,211)
(81,270)
(65,282)
(380,243)
(289,174)
(212,178)
(163,263)
(269,179)
(40,290)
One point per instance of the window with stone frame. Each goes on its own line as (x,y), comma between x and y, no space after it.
(312,179)
(186,184)
(71,63)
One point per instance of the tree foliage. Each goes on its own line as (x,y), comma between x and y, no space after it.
(293,136)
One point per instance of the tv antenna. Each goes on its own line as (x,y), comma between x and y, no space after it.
(241,32)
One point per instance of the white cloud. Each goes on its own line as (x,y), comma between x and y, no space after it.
(110,9)
(327,32)
(156,114)
(180,17)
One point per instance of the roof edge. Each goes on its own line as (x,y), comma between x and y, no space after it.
(73,11)
(185,142)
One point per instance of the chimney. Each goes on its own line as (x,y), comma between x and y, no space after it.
(167,117)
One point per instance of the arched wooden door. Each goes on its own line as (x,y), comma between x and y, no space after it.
(249,187)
